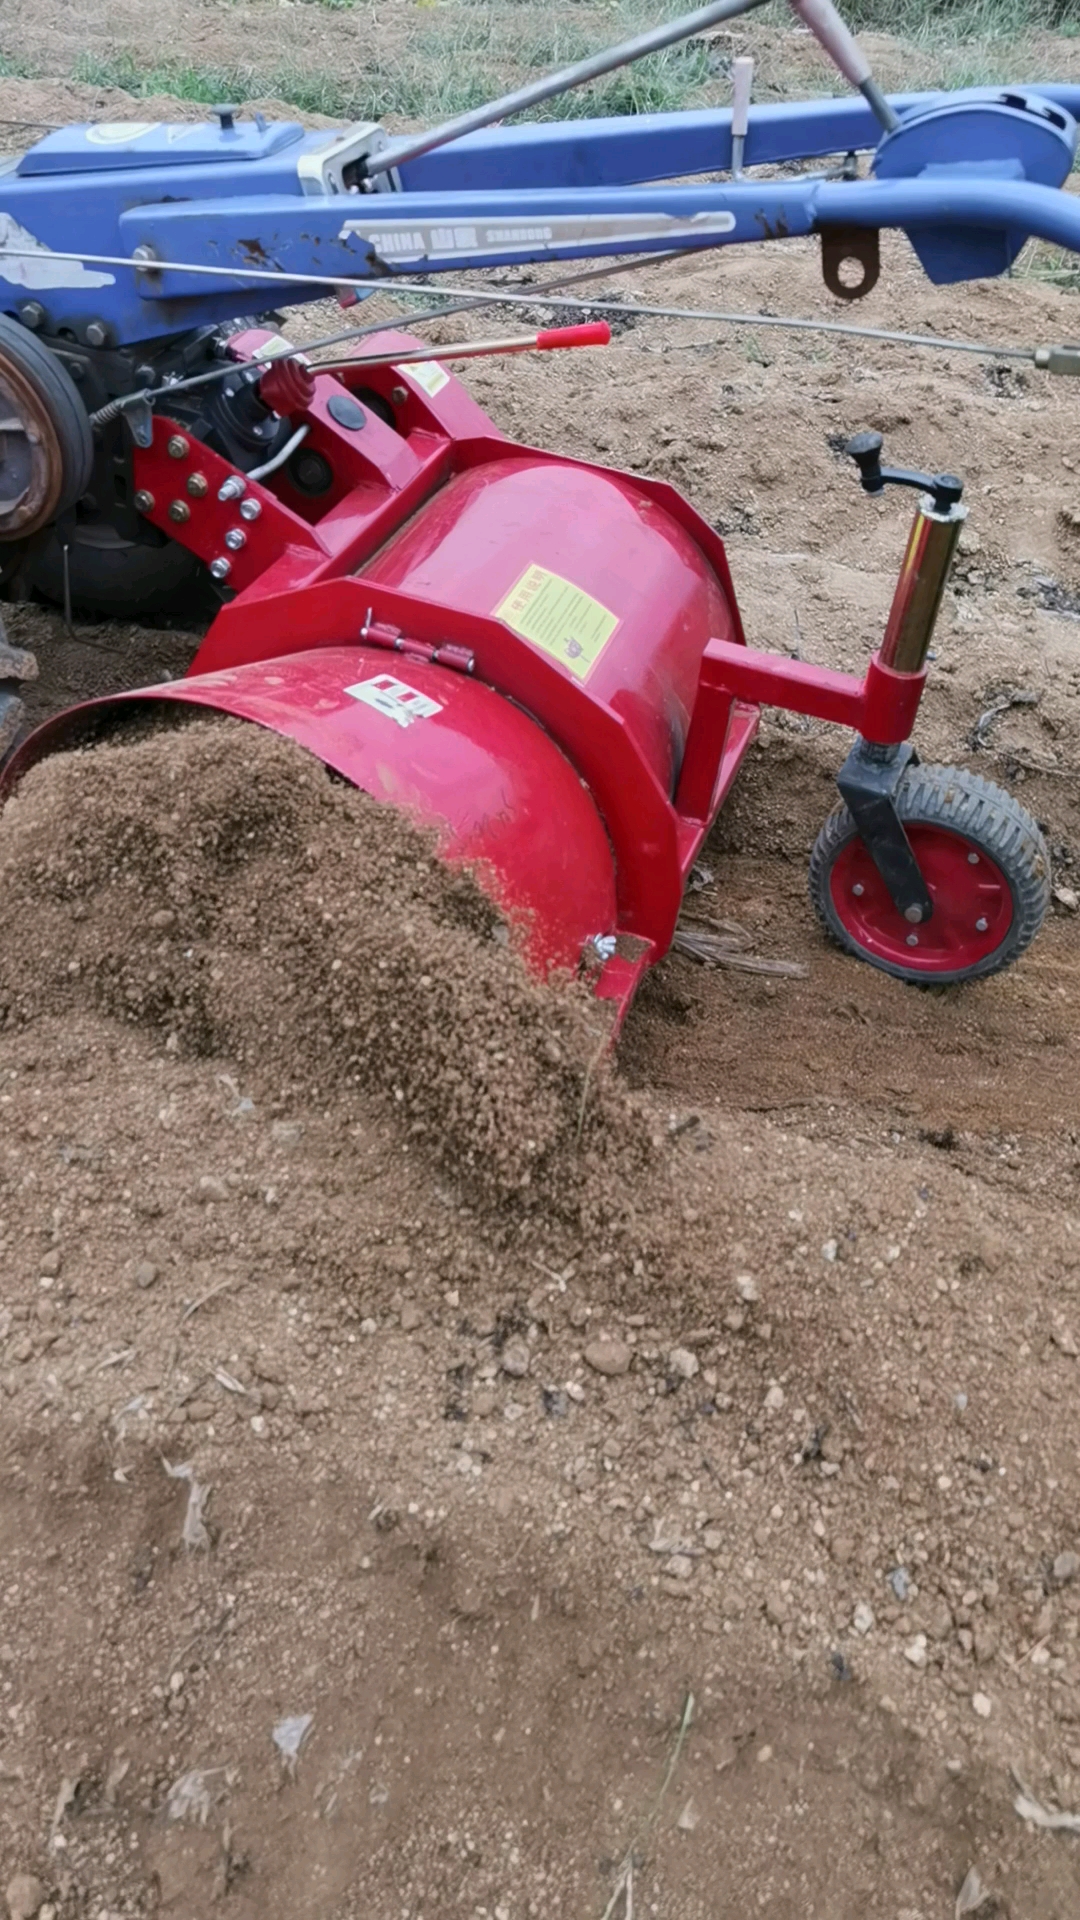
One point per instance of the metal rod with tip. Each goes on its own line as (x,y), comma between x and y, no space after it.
(399,153)
(742,81)
(842,47)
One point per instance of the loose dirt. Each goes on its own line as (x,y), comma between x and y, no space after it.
(495,1477)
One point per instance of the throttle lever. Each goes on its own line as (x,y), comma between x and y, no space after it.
(865,449)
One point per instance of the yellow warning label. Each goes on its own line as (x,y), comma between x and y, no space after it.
(427,374)
(559,618)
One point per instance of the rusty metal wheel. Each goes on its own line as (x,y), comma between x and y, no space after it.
(46,446)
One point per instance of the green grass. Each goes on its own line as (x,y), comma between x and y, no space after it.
(444,71)
(461,53)
(13,69)
(953,19)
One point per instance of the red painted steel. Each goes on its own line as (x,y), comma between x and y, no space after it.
(963,894)
(573,630)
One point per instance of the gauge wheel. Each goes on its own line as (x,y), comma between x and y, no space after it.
(986,869)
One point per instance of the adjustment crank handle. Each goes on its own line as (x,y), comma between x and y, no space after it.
(865,449)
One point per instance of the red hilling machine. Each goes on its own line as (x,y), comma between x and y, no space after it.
(543,661)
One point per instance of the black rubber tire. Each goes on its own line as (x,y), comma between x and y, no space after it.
(61,398)
(117,579)
(983,814)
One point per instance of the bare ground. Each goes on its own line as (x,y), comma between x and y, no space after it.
(835,1494)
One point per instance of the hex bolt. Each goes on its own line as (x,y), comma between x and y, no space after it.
(198,485)
(177,447)
(233,487)
(144,501)
(32,314)
(399,395)
(220,568)
(913,914)
(858,889)
(982,925)
(913,939)
(179,510)
(97,334)
(250,509)
(235,539)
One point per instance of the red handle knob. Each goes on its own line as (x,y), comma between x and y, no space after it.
(594,333)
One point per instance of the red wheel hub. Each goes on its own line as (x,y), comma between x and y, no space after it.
(973,906)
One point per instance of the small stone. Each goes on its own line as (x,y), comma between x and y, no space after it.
(145,1274)
(863,1618)
(777,1608)
(982,1704)
(1068,898)
(735,1320)
(411,1317)
(830,1250)
(682,1363)
(680,1566)
(211,1188)
(50,1263)
(747,1288)
(985,1642)
(24,1894)
(484,1403)
(515,1359)
(1066,1567)
(198,1410)
(900,1582)
(688,1818)
(610,1357)
(258,1425)
(774,1399)
(712,1540)
(915,1651)
(1065,1342)
(842,1548)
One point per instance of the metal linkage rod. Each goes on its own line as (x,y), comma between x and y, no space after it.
(398,154)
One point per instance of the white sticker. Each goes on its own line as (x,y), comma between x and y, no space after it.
(396,700)
(119,133)
(26,262)
(435,240)
(427,374)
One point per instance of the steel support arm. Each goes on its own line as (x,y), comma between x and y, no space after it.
(660,146)
(383,236)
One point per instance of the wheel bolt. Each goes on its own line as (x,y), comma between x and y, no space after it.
(235,539)
(250,509)
(858,889)
(221,568)
(179,510)
(197,485)
(913,914)
(973,859)
(981,926)
(232,488)
(176,447)
(913,939)
(144,501)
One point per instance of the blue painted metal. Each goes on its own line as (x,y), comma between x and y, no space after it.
(661,146)
(117,146)
(967,176)
(1008,135)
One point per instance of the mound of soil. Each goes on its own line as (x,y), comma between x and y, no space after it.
(211,882)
